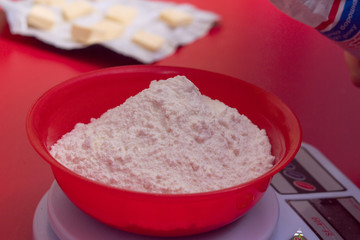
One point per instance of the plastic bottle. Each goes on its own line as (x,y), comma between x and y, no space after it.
(338,20)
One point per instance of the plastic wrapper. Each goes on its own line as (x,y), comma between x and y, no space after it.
(147,19)
(338,20)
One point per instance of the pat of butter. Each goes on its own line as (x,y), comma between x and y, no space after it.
(148,40)
(57,3)
(41,17)
(122,14)
(110,29)
(176,18)
(77,9)
(104,30)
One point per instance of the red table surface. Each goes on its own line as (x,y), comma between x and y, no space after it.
(253,41)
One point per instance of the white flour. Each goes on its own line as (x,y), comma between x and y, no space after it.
(167,139)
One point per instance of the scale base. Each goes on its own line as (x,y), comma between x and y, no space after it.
(57,218)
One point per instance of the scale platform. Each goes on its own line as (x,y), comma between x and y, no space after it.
(310,194)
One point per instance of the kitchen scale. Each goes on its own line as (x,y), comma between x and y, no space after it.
(310,195)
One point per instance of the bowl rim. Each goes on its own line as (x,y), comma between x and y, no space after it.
(42,150)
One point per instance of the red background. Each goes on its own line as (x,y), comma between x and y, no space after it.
(254,42)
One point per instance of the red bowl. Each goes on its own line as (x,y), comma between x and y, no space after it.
(91,94)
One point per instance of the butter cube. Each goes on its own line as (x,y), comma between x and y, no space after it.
(122,14)
(85,34)
(56,3)
(41,17)
(148,40)
(110,29)
(102,31)
(77,9)
(176,18)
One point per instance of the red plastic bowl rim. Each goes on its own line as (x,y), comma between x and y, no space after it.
(41,149)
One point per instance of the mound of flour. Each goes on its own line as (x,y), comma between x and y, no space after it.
(167,139)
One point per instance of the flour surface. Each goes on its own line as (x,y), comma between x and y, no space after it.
(168,138)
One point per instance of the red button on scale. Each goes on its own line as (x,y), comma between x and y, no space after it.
(304,185)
